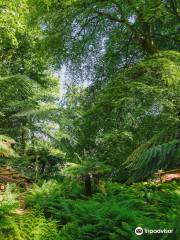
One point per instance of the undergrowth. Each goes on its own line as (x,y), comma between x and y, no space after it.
(113,213)
(55,212)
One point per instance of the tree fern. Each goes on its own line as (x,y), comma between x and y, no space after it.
(160,152)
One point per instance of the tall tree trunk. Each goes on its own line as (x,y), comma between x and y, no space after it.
(36,168)
(145,36)
(23,141)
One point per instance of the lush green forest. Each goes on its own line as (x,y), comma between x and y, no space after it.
(89,119)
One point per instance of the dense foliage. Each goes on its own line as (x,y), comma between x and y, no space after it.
(89,112)
(112,213)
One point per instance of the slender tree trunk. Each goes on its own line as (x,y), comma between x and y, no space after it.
(36,169)
(88,185)
(43,168)
(23,141)
(23,137)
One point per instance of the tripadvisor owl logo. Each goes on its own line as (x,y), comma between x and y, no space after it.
(139,231)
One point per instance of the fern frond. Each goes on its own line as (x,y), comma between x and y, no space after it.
(160,152)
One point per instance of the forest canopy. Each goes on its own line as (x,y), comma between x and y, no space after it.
(89,119)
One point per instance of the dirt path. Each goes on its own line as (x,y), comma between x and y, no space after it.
(21,209)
